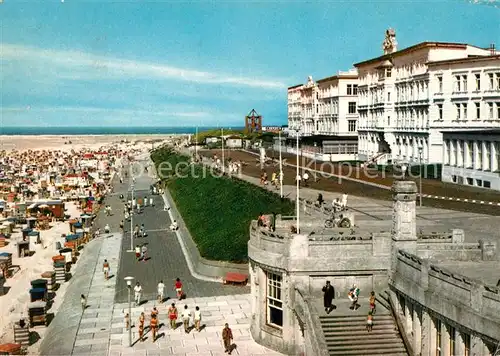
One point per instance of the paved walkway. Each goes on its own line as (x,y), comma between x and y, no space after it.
(167,261)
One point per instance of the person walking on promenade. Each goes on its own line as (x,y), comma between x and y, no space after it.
(161,291)
(172,316)
(227,337)
(372,302)
(83,301)
(138,252)
(122,224)
(197,319)
(136,231)
(178,288)
(328,295)
(127,321)
(154,312)
(143,231)
(144,252)
(105,269)
(151,201)
(369,321)
(153,325)
(141,327)
(186,315)
(137,293)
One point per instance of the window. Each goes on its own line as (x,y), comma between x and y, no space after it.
(492,81)
(464,83)
(448,152)
(438,337)
(389,96)
(452,333)
(478,111)
(478,81)
(457,83)
(464,108)
(498,81)
(487,151)
(470,181)
(274,302)
(317,109)
(479,183)
(352,107)
(351,125)
(498,111)
(470,156)
(458,106)
(486,184)
(317,95)
(490,111)
(388,72)
(440,84)
(352,89)
(440,111)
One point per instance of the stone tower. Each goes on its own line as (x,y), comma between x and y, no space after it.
(404,217)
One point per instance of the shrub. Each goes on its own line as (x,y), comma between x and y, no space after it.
(218,210)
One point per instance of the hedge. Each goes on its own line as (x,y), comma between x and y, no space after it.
(218,210)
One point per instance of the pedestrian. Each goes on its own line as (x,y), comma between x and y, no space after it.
(153,325)
(141,327)
(137,293)
(369,322)
(328,295)
(372,302)
(178,288)
(151,201)
(143,230)
(172,316)
(105,268)
(122,224)
(305,177)
(161,291)
(227,337)
(144,251)
(83,301)
(138,252)
(127,321)
(186,315)
(136,230)
(197,319)
(154,312)
(107,229)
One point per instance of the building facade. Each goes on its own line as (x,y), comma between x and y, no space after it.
(325,107)
(472,157)
(437,310)
(399,118)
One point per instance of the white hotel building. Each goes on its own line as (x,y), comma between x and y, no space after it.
(325,107)
(408,97)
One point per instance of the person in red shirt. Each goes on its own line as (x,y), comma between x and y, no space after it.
(178,288)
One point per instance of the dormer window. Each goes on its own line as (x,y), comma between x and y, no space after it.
(388,72)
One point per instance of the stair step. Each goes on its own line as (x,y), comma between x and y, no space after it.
(371,351)
(357,333)
(332,353)
(359,323)
(354,317)
(393,340)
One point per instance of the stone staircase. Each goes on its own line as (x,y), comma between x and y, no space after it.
(345,333)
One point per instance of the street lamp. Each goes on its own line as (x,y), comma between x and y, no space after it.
(132,219)
(281,166)
(129,287)
(420,151)
(297,178)
(315,168)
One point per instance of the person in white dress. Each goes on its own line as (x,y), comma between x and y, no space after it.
(137,293)
(161,291)
(186,315)
(197,319)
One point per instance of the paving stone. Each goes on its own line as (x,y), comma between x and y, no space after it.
(86,336)
(100,347)
(186,349)
(84,349)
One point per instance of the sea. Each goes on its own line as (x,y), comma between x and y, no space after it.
(92,131)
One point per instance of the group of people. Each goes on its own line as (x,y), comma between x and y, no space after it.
(268,221)
(353,295)
(178,287)
(275,179)
(338,204)
(141,252)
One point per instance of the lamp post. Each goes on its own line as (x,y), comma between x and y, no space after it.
(420,151)
(281,166)
(222,137)
(298,182)
(315,168)
(132,219)
(129,287)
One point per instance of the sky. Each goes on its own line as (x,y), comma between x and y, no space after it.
(200,63)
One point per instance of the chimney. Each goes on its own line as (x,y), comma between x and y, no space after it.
(492,49)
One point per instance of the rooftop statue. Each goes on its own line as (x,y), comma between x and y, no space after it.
(390,44)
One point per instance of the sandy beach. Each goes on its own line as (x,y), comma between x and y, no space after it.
(68,143)
(16,298)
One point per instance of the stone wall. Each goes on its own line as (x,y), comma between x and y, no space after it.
(464,301)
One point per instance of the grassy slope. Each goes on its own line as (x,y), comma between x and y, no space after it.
(218,211)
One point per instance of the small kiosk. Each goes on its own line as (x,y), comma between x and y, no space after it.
(37,313)
(31,222)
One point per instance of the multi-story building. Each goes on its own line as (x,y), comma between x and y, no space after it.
(465,107)
(325,107)
(399,116)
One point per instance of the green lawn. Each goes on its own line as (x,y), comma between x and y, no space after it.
(218,210)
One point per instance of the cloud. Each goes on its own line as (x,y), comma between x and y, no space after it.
(73,65)
(99,116)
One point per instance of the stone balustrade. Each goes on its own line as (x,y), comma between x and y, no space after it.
(463,302)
